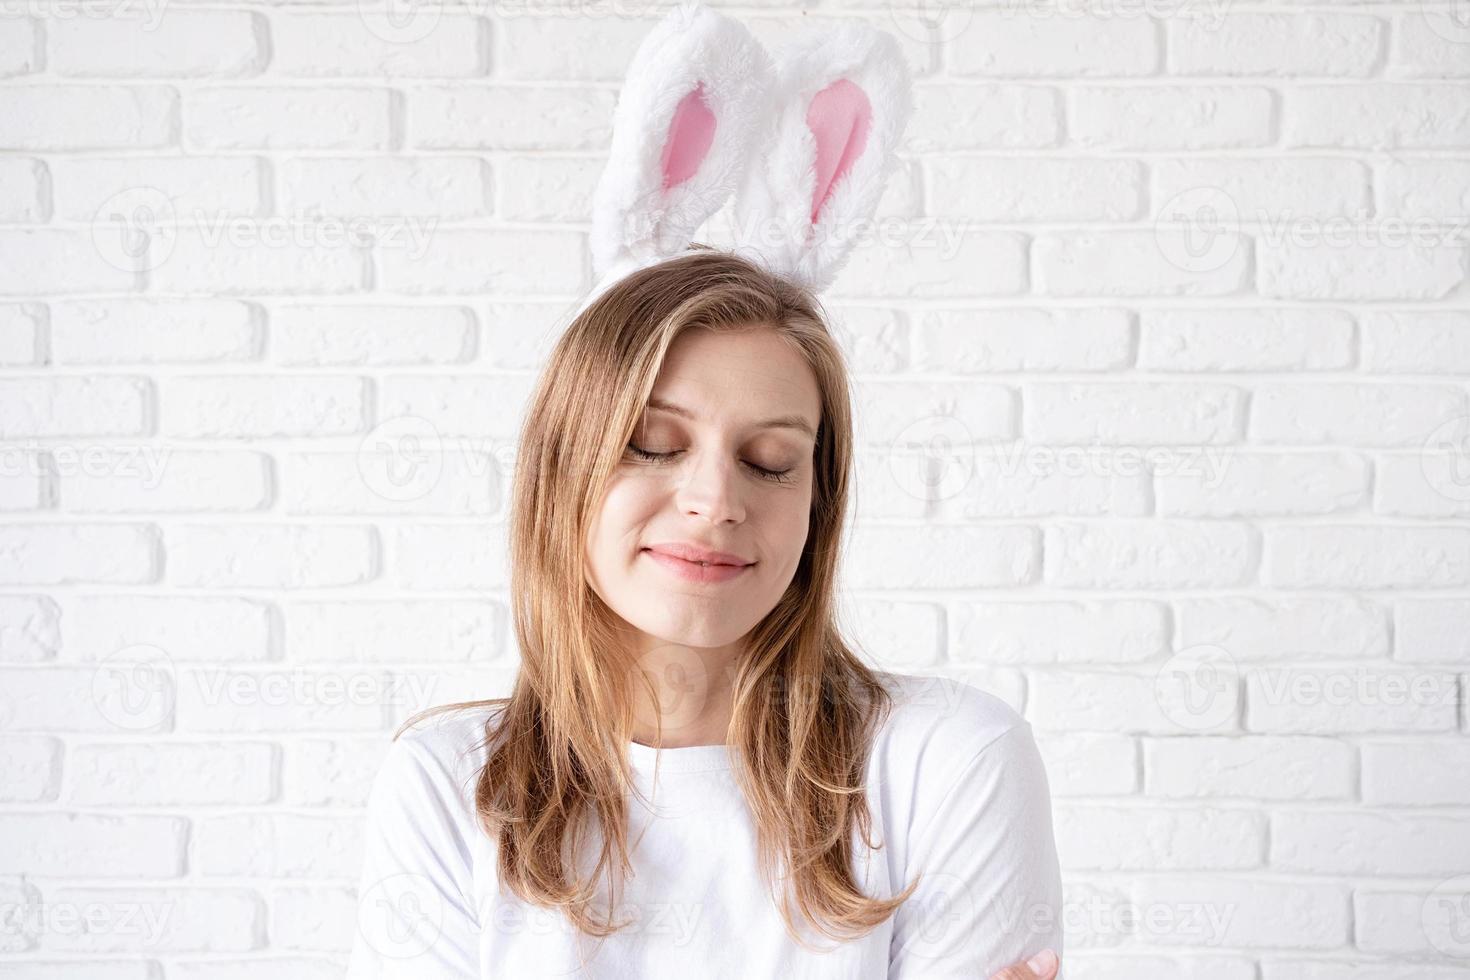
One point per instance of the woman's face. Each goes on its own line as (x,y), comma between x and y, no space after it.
(721,478)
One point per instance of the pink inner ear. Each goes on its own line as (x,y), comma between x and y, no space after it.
(691,132)
(839,118)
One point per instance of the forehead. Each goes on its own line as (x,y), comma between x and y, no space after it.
(744,373)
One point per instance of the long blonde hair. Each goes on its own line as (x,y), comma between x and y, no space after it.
(805,707)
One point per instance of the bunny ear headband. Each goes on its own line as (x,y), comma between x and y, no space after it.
(805,142)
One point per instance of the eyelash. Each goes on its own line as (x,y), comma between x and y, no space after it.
(775,476)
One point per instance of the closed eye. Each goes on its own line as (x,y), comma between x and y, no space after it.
(775,476)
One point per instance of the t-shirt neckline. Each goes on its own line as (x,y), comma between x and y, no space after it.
(687,758)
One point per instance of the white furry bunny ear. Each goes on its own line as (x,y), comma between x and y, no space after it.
(697,94)
(843,98)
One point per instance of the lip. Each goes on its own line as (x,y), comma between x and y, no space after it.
(720,567)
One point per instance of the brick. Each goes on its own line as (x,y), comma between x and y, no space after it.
(509,117)
(936,258)
(1149,554)
(1139,838)
(313,335)
(1132,413)
(1250,912)
(30,768)
(1351,413)
(24,190)
(1024,189)
(191,187)
(483,407)
(1359,698)
(1428,42)
(1115,631)
(29,628)
(171,774)
(1365,557)
(60,554)
(332,772)
(374,44)
(1421,772)
(295,118)
(185,44)
(93,845)
(943,557)
(455,480)
(1090,765)
(981,341)
(20,47)
(1123,703)
(457,261)
(73,406)
(1287,629)
(279,845)
(88,117)
(1046,43)
(429,557)
(426,631)
(1294,45)
(151,920)
(113,698)
(1338,842)
(1415,342)
(186,628)
(976,117)
(153,479)
(1339,261)
(1135,263)
(1256,767)
(1252,484)
(279,556)
(225,700)
(262,407)
(439,188)
(1264,191)
(1431,631)
(55,260)
(1165,118)
(246,257)
(1245,340)
(1429,190)
(1375,116)
(127,331)
(22,331)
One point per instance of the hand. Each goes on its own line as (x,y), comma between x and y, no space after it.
(1043,965)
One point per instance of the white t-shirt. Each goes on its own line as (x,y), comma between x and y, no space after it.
(956,789)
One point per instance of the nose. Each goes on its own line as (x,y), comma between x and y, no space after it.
(710,488)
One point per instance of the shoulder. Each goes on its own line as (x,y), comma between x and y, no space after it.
(437,757)
(944,721)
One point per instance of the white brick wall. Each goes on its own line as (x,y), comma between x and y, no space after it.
(1184,286)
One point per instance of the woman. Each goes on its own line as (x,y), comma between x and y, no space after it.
(695,775)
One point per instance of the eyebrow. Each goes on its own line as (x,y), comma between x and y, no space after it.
(779,422)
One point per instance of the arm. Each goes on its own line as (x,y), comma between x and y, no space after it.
(991,892)
(415,919)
